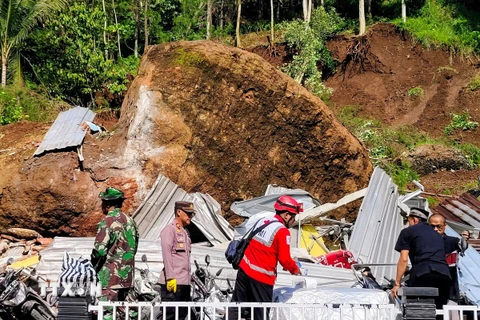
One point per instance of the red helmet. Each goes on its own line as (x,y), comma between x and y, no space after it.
(289,204)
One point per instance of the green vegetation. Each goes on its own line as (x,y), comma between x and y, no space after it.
(23,104)
(460,122)
(416,92)
(185,58)
(446,68)
(474,83)
(386,146)
(440,23)
(308,39)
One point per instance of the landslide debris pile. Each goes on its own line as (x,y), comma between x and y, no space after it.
(213,119)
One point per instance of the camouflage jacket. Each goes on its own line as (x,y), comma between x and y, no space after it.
(113,256)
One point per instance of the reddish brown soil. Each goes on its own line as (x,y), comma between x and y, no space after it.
(387,65)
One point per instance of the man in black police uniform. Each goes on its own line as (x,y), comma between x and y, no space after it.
(425,248)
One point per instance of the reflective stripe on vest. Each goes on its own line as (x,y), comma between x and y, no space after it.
(257,268)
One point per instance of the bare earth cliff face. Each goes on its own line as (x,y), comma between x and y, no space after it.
(213,119)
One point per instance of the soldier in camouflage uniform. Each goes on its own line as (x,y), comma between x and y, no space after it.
(113,256)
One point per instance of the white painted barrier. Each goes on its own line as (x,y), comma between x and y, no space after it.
(275,311)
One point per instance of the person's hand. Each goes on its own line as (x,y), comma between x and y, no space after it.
(172,285)
(394,291)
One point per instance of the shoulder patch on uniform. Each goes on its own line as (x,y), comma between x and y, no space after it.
(288,240)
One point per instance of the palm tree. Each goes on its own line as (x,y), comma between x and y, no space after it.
(17,19)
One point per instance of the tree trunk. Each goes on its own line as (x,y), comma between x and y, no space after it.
(369,8)
(222,17)
(105,29)
(404,12)
(118,29)
(272,32)
(4,69)
(361,14)
(237,29)
(209,18)
(137,27)
(145,23)
(322,3)
(307,10)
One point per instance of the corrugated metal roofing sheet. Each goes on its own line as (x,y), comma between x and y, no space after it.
(248,208)
(464,209)
(51,263)
(66,131)
(378,225)
(157,210)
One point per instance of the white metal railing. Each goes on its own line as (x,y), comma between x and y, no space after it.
(458,312)
(275,311)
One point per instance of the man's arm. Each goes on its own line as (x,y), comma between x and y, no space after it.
(101,246)
(166,238)
(401,268)
(282,240)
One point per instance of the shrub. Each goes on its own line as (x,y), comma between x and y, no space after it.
(416,92)
(474,83)
(460,121)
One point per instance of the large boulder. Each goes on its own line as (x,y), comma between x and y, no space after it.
(212,118)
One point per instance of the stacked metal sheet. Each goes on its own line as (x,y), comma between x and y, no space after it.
(73,308)
(51,263)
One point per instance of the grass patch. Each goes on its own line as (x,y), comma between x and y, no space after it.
(446,68)
(18,104)
(460,122)
(441,25)
(185,58)
(386,146)
(474,83)
(470,151)
(416,92)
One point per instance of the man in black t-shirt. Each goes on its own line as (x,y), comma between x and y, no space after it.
(452,247)
(425,248)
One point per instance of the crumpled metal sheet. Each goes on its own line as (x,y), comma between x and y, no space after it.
(378,225)
(464,209)
(157,210)
(66,131)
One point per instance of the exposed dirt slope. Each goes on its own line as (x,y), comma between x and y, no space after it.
(377,70)
(212,118)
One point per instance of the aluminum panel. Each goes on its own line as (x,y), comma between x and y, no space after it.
(264,203)
(157,210)
(66,131)
(51,263)
(378,225)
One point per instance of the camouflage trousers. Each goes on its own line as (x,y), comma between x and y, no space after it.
(114,295)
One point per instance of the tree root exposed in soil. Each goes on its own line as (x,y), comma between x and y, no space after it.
(359,59)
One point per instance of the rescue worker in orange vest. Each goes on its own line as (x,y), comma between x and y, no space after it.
(257,271)
(176,247)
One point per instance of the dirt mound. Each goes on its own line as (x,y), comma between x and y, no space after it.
(377,71)
(212,118)
(426,159)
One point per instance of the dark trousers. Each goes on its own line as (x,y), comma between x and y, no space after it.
(182,294)
(435,280)
(250,290)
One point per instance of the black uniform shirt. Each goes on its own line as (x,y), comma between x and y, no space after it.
(426,250)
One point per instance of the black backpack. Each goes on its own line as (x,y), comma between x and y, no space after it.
(236,248)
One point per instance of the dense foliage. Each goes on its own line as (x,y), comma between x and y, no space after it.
(86,52)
